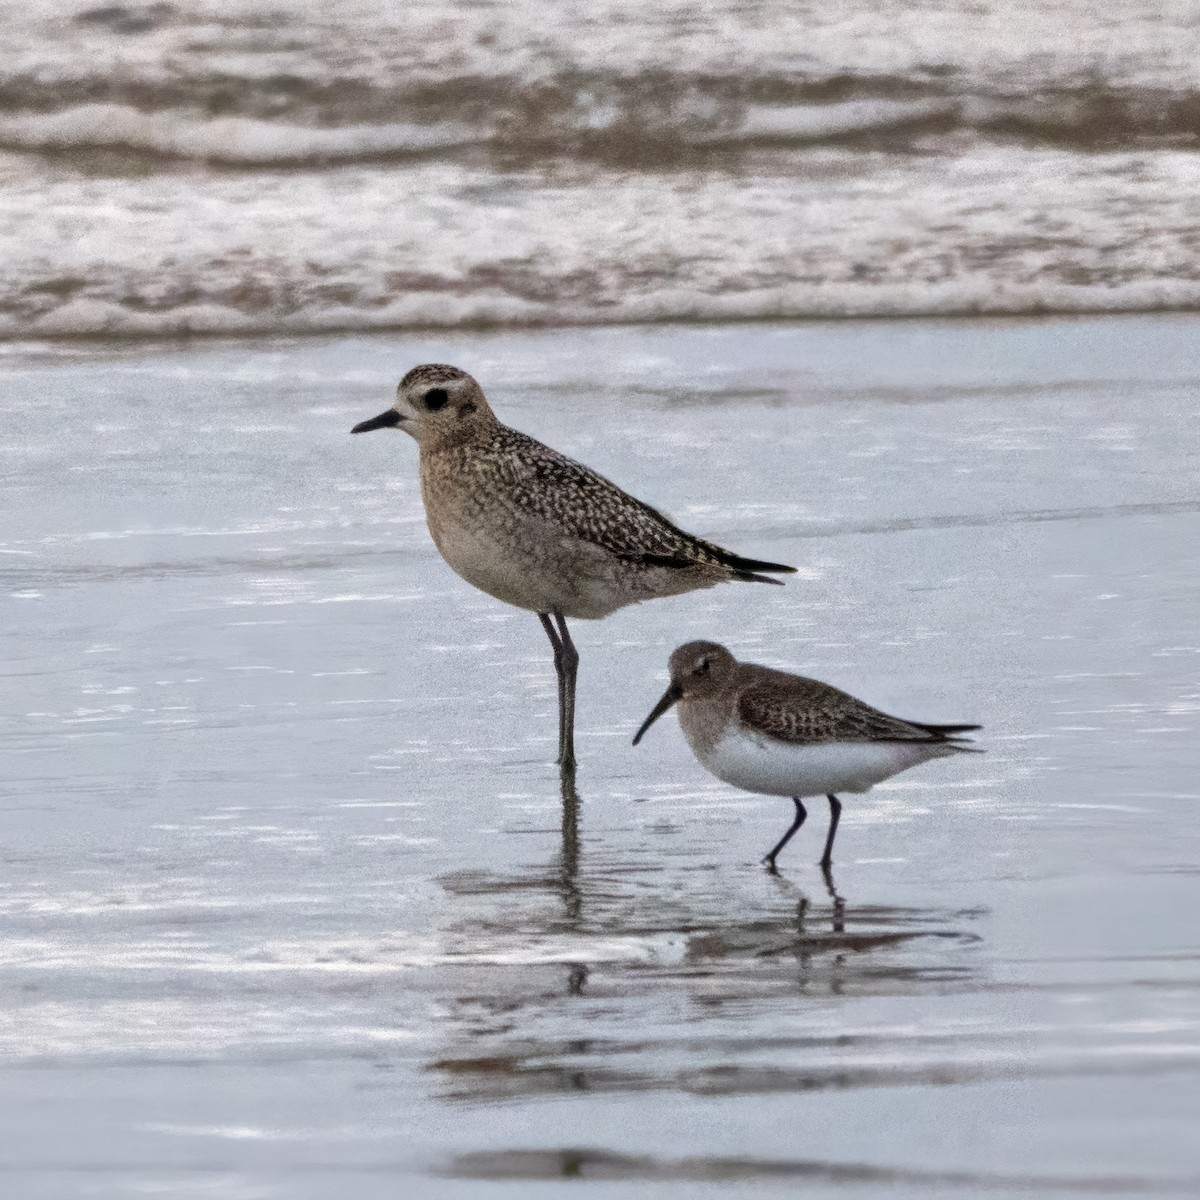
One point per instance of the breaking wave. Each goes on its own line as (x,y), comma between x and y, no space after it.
(667,120)
(209,166)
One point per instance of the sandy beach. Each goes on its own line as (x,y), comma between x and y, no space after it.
(292,905)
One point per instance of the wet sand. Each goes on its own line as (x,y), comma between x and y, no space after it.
(293,906)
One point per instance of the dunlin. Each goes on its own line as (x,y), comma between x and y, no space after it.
(784,735)
(536,529)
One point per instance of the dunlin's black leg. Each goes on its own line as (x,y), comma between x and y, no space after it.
(835,815)
(787,837)
(566,660)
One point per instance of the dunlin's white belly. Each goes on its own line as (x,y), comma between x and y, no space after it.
(780,769)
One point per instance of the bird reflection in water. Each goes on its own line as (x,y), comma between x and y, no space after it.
(572,898)
(809,939)
(837,901)
(640,935)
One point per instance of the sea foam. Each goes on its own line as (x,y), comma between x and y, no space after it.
(199,167)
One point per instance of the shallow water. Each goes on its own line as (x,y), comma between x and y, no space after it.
(292,903)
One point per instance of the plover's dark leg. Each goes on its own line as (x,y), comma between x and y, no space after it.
(787,837)
(570,660)
(566,660)
(835,815)
(556,643)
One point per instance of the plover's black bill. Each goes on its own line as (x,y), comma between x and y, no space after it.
(385,420)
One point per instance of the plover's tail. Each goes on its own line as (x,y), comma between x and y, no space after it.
(698,553)
(746,568)
(946,731)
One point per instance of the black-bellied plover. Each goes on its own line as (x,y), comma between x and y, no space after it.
(536,529)
(783,735)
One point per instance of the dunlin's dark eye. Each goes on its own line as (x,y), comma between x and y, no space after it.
(436,398)
(702,666)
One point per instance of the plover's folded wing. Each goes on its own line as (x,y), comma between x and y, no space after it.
(582,503)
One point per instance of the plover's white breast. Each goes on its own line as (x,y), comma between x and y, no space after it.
(777,768)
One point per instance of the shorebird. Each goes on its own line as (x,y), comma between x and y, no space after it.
(784,735)
(538,530)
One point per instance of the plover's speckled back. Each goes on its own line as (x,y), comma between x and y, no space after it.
(538,530)
(785,735)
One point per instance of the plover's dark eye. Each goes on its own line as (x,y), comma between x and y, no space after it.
(702,666)
(436,398)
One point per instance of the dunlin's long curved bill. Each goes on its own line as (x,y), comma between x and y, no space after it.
(668,698)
